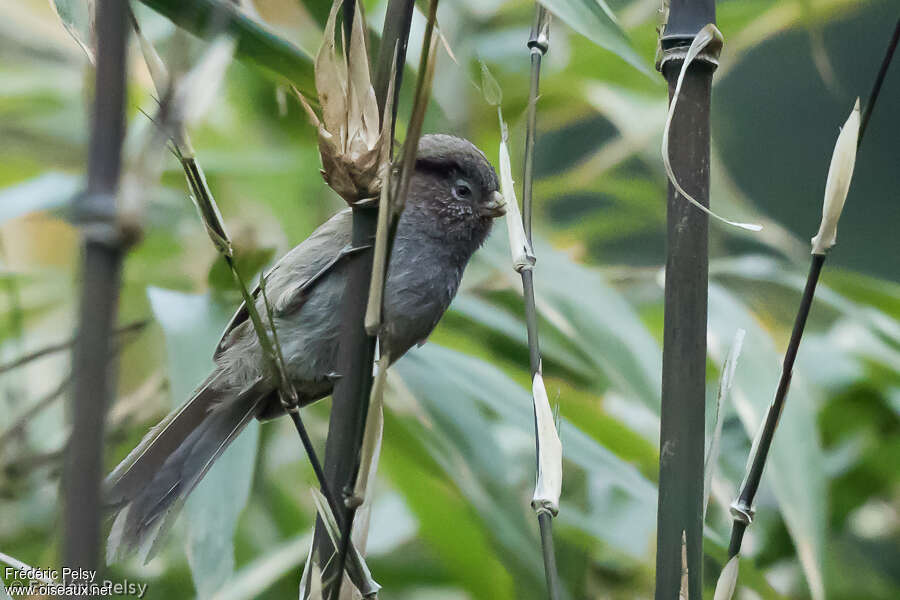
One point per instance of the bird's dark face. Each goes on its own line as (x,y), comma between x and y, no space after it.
(455,187)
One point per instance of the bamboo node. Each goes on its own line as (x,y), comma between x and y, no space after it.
(742,512)
(675,48)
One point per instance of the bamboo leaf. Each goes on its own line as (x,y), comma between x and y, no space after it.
(200,87)
(50,190)
(159,74)
(256,577)
(595,320)
(255,42)
(595,20)
(490,89)
(449,523)
(77,16)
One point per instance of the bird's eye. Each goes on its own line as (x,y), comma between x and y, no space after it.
(461,190)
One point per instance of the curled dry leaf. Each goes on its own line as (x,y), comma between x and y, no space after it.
(838,183)
(350,135)
(709,37)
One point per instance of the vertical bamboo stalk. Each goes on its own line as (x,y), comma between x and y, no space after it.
(680,510)
(356,351)
(538,44)
(101,272)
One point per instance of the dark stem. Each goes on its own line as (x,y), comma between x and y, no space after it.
(356,353)
(395,33)
(742,509)
(682,415)
(92,366)
(538,44)
(350,401)
(879,79)
(545,522)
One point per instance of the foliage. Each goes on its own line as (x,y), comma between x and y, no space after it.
(452,517)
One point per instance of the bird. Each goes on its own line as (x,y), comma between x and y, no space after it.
(452,201)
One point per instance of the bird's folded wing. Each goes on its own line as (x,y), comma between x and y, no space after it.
(300,269)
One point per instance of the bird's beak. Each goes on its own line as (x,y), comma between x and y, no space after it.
(495,207)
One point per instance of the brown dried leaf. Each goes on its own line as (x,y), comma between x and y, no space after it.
(331,77)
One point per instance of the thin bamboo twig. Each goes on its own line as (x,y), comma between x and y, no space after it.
(9,433)
(61,346)
(104,248)
(22,420)
(538,45)
(879,80)
(742,508)
(545,523)
(423,90)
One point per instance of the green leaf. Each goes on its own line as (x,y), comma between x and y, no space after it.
(466,397)
(255,578)
(795,470)
(50,190)
(192,324)
(255,42)
(597,319)
(447,522)
(596,21)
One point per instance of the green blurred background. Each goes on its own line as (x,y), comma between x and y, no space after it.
(451,519)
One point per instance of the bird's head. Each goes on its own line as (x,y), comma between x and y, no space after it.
(455,185)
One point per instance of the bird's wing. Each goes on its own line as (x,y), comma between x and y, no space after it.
(294,275)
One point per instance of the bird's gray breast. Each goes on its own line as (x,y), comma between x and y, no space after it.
(422,279)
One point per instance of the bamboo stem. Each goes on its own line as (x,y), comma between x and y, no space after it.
(682,417)
(879,80)
(545,522)
(104,248)
(356,352)
(742,508)
(410,148)
(538,44)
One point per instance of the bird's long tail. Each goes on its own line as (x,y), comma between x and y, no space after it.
(151,484)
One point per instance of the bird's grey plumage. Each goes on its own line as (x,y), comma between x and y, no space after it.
(439,229)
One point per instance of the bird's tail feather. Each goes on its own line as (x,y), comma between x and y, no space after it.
(150,485)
